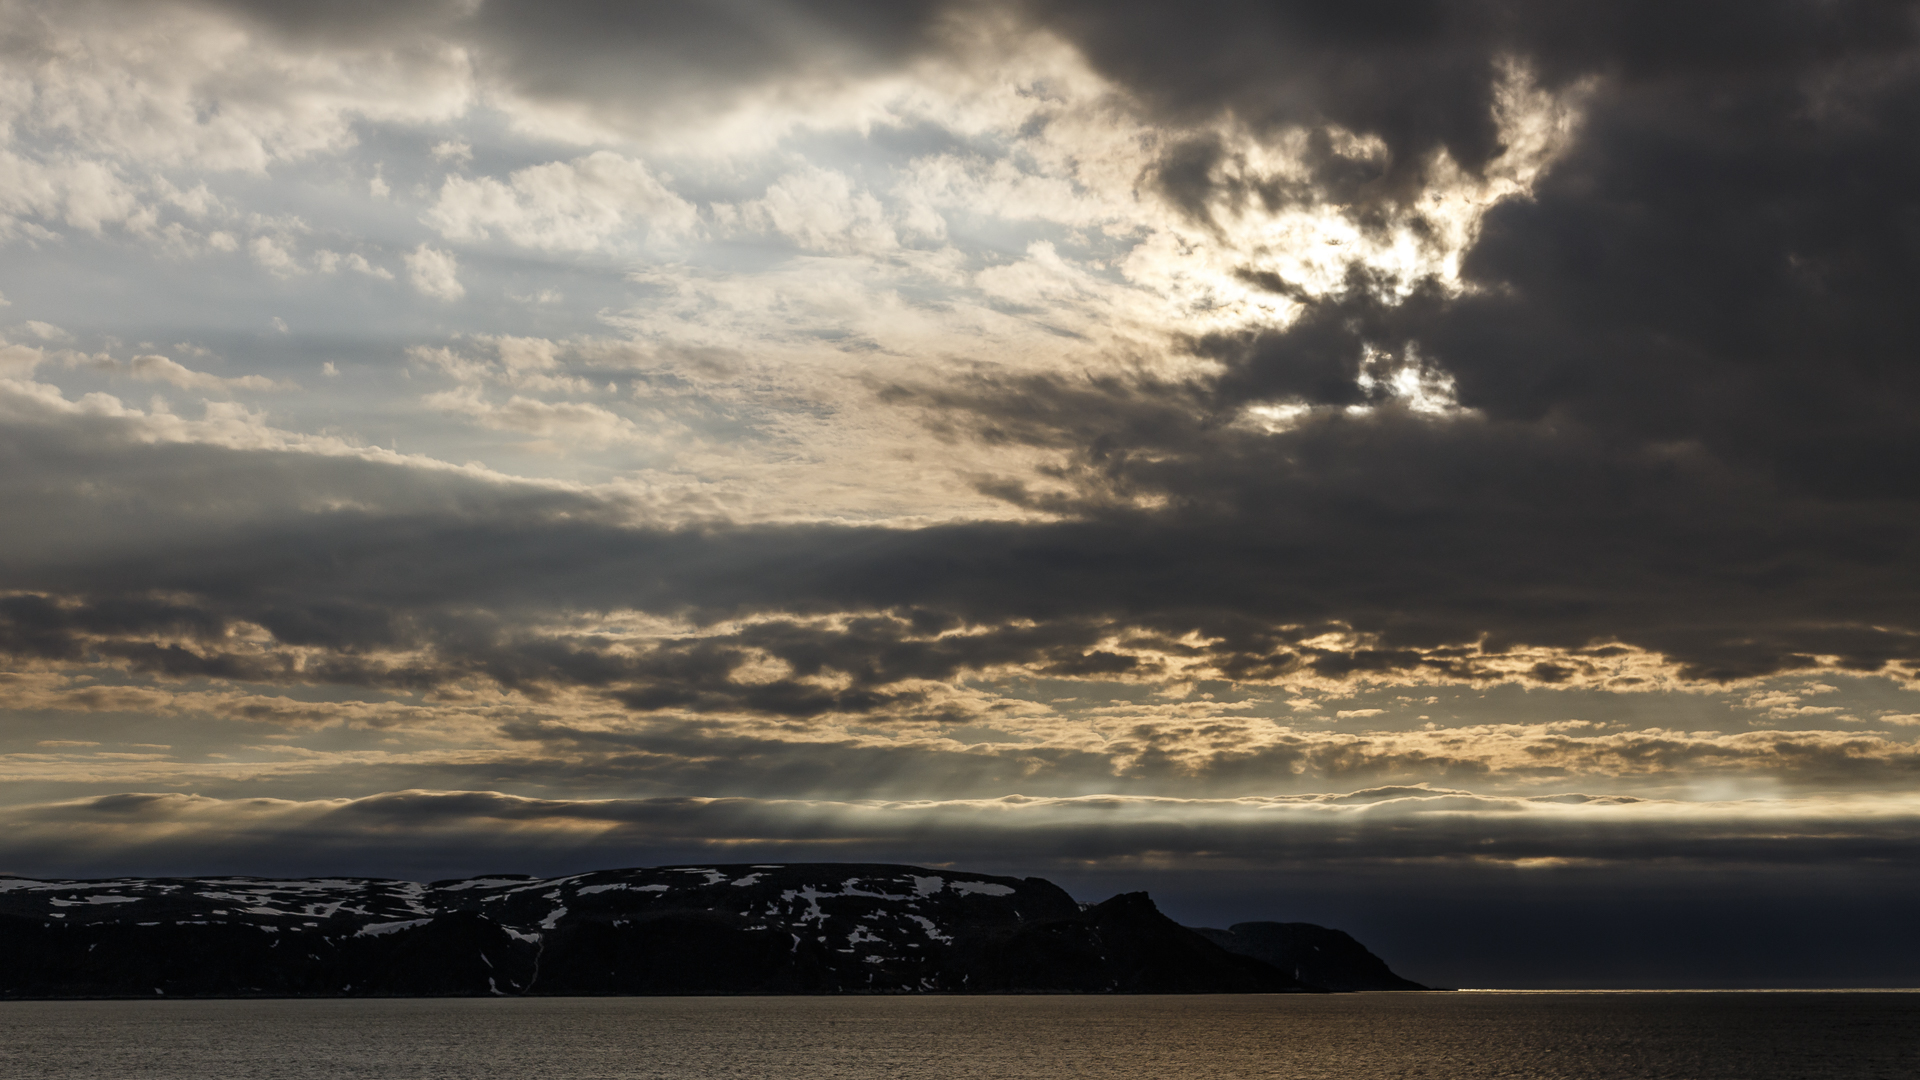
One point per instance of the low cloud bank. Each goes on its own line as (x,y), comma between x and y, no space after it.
(409,833)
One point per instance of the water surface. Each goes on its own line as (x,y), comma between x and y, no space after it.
(1463,1036)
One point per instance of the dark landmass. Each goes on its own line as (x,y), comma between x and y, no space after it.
(763,929)
(1312,954)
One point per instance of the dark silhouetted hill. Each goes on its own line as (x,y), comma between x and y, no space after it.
(1310,954)
(761,929)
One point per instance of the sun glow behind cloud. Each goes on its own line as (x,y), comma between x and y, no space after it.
(875,281)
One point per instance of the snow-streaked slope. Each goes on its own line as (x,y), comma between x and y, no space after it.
(803,928)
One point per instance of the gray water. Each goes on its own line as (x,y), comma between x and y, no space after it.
(1462,1036)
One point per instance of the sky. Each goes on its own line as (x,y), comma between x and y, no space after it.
(1444,469)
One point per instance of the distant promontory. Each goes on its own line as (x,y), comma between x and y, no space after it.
(795,928)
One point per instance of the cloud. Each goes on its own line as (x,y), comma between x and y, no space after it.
(19,361)
(1356,489)
(854,618)
(819,210)
(328,262)
(578,205)
(86,195)
(222,96)
(153,368)
(177,481)
(603,69)
(1420,826)
(455,150)
(434,272)
(576,421)
(273,257)
(1422,76)
(290,562)
(45,331)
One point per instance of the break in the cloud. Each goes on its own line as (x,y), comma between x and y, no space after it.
(1199,408)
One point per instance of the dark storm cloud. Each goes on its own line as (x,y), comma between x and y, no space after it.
(632,62)
(604,49)
(1688,358)
(1422,75)
(1722,260)
(410,601)
(1440,533)
(1419,74)
(357,21)
(1731,273)
(1448,542)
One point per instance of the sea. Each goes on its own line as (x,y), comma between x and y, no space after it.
(1790,1035)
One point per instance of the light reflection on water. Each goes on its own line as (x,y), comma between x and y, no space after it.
(1464,1036)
